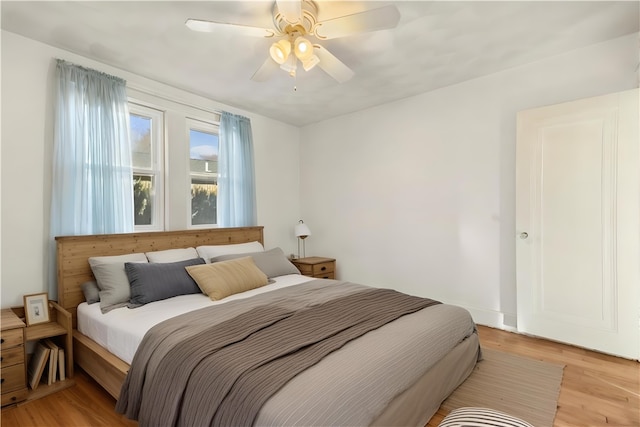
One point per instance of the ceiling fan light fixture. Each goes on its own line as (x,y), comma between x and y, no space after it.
(280,51)
(303,48)
(290,66)
(308,64)
(294,20)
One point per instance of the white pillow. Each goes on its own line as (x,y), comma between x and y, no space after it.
(208,252)
(112,279)
(172,255)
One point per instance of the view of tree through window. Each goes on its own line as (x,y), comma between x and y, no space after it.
(203,143)
(141,199)
(140,127)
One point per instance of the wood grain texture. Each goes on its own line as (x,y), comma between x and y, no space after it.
(84,404)
(73,253)
(108,370)
(597,390)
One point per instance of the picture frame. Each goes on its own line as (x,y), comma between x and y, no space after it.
(36,308)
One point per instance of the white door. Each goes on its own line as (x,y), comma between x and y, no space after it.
(578,223)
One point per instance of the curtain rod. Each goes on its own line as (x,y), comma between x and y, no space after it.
(146,91)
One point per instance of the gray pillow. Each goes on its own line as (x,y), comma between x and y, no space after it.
(272,262)
(91,292)
(112,279)
(157,281)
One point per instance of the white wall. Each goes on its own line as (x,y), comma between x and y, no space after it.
(419,194)
(27,138)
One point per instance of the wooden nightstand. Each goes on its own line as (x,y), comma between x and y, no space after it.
(316,266)
(13,358)
(58,328)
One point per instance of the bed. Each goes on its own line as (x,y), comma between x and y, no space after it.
(332,391)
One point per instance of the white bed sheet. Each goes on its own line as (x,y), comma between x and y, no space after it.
(121,330)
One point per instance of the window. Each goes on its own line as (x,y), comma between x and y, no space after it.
(146,125)
(203,171)
(175,163)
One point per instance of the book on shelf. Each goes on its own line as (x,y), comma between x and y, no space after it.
(52,368)
(37,363)
(61,364)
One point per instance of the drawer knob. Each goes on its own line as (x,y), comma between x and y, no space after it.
(2,381)
(1,340)
(1,358)
(323,268)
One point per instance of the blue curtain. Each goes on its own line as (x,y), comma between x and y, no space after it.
(236,179)
(92,190)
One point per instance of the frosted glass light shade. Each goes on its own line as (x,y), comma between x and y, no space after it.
(280,51)
(291,65)
(303,48)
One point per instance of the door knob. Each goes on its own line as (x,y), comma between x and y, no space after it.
(524,235)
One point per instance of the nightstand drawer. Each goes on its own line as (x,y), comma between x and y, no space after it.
(318,267)
(11,338)
(322,268)
(13,377)
(14,396)
(11,356)
(305,269)
(329,275)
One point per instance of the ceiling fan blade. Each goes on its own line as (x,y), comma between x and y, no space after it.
(212,26)
(363,22)
(291,10)
(332,65)
(266,71)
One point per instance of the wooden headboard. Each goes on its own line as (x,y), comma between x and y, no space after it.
(73,253)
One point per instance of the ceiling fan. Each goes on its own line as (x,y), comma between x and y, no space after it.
(295,22)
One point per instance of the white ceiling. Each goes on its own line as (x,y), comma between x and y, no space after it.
(436,44)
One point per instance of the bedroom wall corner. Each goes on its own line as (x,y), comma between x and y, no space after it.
(419,194)
(277,154)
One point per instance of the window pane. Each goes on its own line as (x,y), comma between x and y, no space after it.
(147,143)
(204,198)
(143,199)
(204,146)
(140,141)
(204,176)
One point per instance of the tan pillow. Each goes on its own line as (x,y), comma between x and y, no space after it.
(226,278)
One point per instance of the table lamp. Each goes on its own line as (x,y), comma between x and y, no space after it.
(302,232)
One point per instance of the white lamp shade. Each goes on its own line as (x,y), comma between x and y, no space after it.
(303,48)
(280,51)
(302,230)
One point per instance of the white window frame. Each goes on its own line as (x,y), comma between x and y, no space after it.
(157,162)
(201,125)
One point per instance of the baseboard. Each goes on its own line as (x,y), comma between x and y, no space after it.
(491,318)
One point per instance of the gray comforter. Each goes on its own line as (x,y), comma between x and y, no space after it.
(179,377)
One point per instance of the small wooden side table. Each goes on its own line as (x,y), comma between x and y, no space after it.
(13,363)
(315,266)
(58,328)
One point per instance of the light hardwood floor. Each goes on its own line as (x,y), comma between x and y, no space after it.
(597,390)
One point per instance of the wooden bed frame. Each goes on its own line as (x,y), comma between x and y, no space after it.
(73,269)
(414,406)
